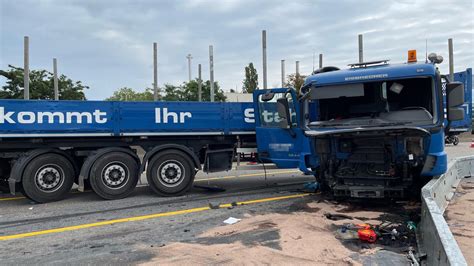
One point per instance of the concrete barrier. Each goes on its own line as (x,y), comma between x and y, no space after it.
(435,237)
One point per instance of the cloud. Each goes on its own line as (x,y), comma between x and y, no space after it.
(108,44)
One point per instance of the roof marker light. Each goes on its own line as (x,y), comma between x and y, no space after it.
(412,56)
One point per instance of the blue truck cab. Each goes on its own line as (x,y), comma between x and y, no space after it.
(374,130)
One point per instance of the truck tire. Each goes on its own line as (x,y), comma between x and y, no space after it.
(170,173)
(455,140)
(48,177)
(323,184)
(114,175)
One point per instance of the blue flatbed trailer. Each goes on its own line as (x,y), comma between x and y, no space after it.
(45,146)
(37,118)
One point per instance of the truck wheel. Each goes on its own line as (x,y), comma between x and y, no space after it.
(455,140)
(323,184)
(114,175)
(170,173)
(48,177)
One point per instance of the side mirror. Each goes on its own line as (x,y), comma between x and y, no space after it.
(283,112)
(268,96)
(455,100)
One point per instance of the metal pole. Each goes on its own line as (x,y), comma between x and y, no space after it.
(283,83)
(238,149)
(155,71)
(189,57)
(361,49)
(297,68)
(314,55)
(451,59)
(211,70)
(199,84)
(426,51)
(320,60)
(55,76)
(26,69)
(264,58)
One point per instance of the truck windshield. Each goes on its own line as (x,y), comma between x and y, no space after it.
(402,101)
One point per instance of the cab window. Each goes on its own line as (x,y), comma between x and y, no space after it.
(268,111)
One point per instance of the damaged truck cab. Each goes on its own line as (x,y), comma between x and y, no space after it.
(375,130)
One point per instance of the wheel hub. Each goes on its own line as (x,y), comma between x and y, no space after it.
(171,173)
(115,175)
(49,178)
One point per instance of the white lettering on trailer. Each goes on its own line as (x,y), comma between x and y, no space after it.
(249,115)
(266,116)
(50,116)
(22,120)
(6,117)
(79,117)
(269,117)
(27,117)
(98,119)
(163,117)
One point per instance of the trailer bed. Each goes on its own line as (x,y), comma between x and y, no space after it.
(40,118)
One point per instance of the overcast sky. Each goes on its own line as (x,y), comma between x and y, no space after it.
(108,44)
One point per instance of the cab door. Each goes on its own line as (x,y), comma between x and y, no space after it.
(283,145)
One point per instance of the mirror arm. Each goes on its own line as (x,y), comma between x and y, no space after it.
(447,128)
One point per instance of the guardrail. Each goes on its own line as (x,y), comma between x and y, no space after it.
(436,239)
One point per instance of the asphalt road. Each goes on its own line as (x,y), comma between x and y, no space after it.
(86,229)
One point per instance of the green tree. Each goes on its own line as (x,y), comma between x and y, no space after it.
(295,81)
(190,91)
(172,93)
(41,85)
(129,94)
(250,83)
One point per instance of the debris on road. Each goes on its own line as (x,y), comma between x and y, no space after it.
(302,234)
(311,186)
(337,216)
(232,220)
(211,188)
(367,235)
(214,206)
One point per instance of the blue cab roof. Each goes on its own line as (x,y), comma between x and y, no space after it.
(371,73)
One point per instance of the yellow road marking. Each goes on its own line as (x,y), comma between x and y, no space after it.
(143,217)
(204,179)
(19,198)
(12,198)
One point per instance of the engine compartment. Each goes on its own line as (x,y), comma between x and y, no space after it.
(371,166)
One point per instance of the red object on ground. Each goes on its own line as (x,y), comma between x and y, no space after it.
(367,235)
(472,143)
(363,226)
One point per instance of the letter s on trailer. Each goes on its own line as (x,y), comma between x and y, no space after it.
(46,146)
